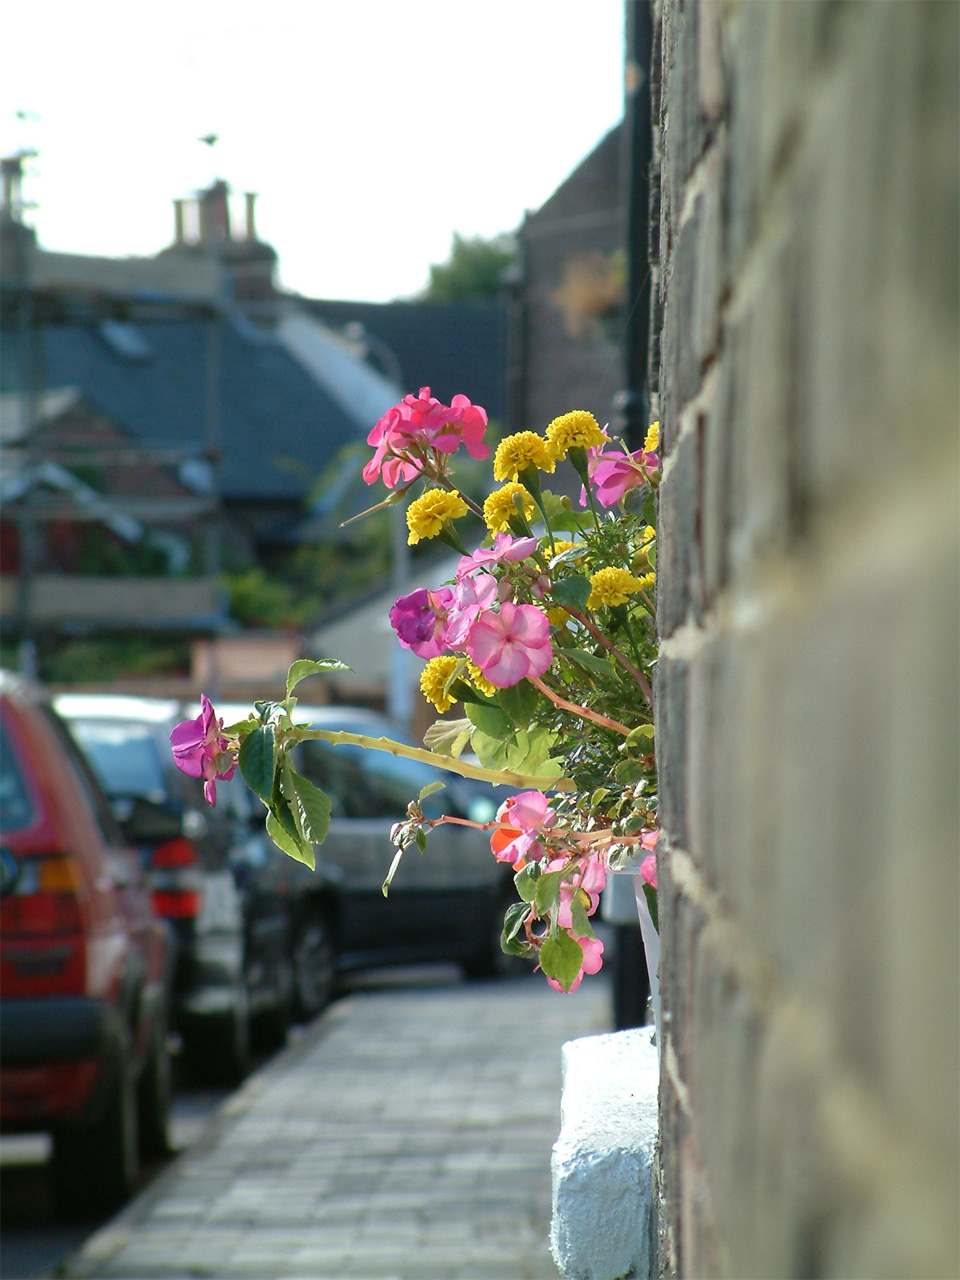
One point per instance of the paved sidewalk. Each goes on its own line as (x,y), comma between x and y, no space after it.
(407,1134)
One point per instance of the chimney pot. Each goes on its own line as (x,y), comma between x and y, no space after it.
(178,222)
(251,199)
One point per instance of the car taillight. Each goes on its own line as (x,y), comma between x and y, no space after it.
(43,899)
(174,879)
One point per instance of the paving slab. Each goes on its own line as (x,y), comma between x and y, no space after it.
(405,1136)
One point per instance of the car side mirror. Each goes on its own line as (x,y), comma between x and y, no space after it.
(149,822)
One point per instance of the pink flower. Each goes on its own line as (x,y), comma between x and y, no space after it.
(592,962)
(525,815)
(201,751)
(589,878)
(616,473)
(470,597)
(648,869)
(417,423)
(420,620)
(505,547)
(512,644)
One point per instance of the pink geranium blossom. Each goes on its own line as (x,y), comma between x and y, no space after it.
(201,750)
(648,867)
(616,473)
(470,597)
(512,644)
(505,547)
(418,423)
(590,877)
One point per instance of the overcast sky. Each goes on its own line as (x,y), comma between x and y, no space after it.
(372,129)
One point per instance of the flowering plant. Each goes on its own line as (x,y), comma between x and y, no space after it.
(546,635)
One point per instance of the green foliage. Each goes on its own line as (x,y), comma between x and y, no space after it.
(474,269)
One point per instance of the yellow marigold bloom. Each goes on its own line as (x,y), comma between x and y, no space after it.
(652,442)
(434,676)
(427,514)
(479,680)
(647,580)
(499,507)
(560,545)
(516,453)
(612,586)
(578,429)
(558,617)
(648,535)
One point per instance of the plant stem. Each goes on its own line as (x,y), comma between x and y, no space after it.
(615,653)
(452,488)
(498,777)
(583,712)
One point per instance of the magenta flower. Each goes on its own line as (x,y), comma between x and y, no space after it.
(525,817)
(648,869)
(512,644)
(418,423)
(616,473)
(470,597)
(201,750)
(592,962)
(505,547)
(420,621)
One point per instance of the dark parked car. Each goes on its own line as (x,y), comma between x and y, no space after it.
(445,904)
(213,876)
(84,963)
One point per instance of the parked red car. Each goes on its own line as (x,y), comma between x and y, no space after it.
(84,965)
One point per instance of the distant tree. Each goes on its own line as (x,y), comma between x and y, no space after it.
(474,269)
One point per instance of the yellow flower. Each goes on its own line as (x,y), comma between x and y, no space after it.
(427,514)
(561,544)
(578,429)
(499,507)
(652,442)
(479,680)
(612,586)
(516,453)
(434,676)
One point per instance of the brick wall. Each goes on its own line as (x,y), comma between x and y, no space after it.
(808,599)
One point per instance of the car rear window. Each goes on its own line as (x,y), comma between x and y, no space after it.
(125,757)
(16,809)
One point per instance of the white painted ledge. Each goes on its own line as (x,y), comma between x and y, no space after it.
(604,1210)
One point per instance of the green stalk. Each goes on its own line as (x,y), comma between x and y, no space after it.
(499,777)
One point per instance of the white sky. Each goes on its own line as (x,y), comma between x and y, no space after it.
(372,129)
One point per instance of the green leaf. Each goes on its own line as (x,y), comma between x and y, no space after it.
(525,752)
(590,661)
(385,887)
(628,771)
(288,844)
(304,667)
(448,737)
(489,719)
(642,735)
(572,592)
(310,806)
(548,891)
(579,918)
(258,760)
(510,942)
(265,709)
(429,790)
(561,958)
(562,513)
(526,882)
(650,893)
(519,702)
(242,727)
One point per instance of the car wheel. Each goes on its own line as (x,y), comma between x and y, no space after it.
(487,960)
(96,1166)
(314,967)
(153,1093)
(270,1027)
(217,1047)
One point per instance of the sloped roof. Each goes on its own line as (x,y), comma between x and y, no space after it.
(452,347)
(278,426)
